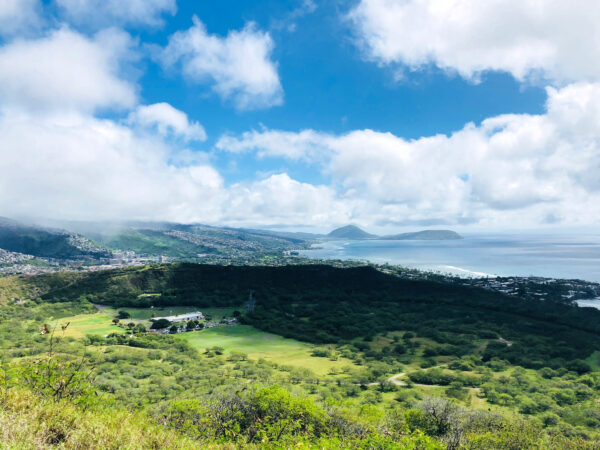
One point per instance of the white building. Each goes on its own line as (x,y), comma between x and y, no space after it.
(196,315)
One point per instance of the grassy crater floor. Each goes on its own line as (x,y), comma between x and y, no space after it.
(101,324)
(258,344)
(238,338)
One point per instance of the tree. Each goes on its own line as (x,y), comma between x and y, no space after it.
(123,315)
(115,321)
(173,329)
(579,366)
(160,324)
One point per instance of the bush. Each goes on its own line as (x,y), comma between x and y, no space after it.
(30,422)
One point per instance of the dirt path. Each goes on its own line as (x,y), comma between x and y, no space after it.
(394,379)
(504,341)
(101,308)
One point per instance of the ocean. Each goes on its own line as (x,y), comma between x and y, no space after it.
(478,256)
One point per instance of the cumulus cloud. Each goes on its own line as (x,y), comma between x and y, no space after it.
(238,67)
(67,71)
(167,121)
(511,170)
(99,13)
(19,16)
(555,40)
(81,167)
(280,200)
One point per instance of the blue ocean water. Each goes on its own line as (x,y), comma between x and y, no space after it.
(502,255)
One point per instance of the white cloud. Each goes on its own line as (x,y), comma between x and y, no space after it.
(557,40)
(280,200)
(303,145)
(512,170)
(99,13)
(289,21)
(238,67)
(66,71)
(81,167)
(167,121)
(19,16)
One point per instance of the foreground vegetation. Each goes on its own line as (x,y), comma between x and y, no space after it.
(400,370)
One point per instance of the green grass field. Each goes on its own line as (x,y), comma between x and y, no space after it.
(258,344)
(87,324)
(101,322)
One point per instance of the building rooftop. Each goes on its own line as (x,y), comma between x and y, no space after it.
(183,317)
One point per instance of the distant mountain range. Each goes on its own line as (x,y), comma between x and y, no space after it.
(109,240)
(353,232)
(98,240)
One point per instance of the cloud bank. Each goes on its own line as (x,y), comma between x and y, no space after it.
(556,40)
(59,160)
(511,169)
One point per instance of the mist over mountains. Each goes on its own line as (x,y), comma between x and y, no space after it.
(105,240)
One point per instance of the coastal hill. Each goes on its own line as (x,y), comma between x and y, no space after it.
(355,233)
(350,232)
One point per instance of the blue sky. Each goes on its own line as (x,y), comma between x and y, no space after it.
(392,114)
(328,84)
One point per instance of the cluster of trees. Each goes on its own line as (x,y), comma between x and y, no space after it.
(444,378)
